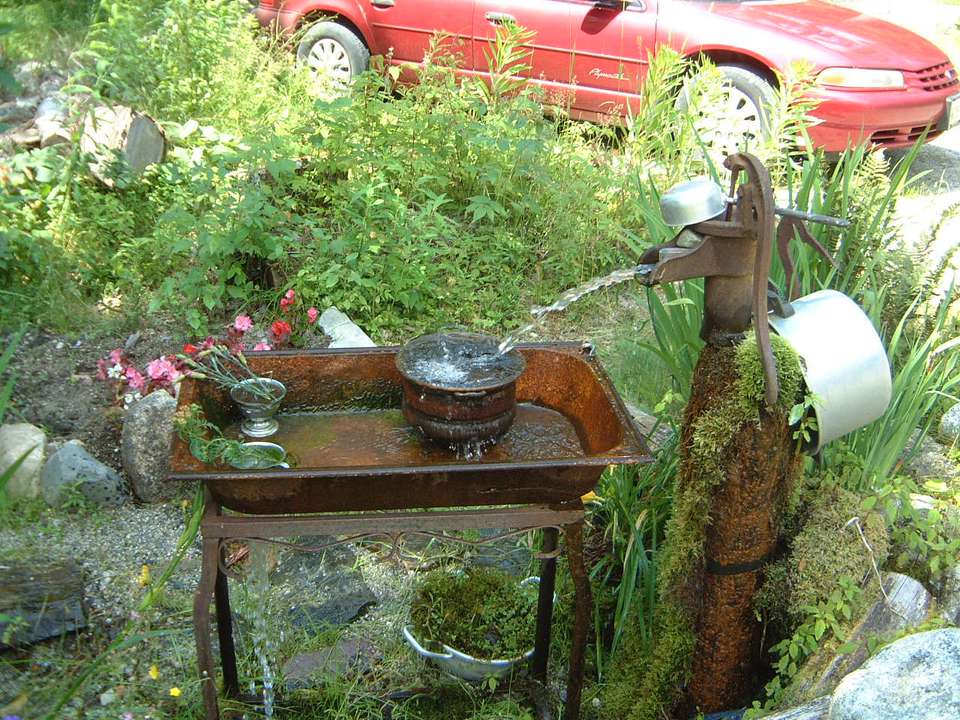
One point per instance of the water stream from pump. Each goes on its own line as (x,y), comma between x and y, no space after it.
(568,297)
(258,589)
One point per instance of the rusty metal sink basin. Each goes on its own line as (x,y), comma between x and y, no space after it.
(350,448)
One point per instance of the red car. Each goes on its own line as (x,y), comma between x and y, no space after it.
(877,82)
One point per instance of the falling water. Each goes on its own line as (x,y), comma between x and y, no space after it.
(569,297)
(258,588)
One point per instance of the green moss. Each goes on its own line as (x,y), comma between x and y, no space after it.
(483,612)
(646,682)
(821,553)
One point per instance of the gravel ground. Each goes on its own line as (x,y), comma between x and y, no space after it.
(111,546)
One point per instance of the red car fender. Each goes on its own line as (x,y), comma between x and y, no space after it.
(292,14)
(725,55)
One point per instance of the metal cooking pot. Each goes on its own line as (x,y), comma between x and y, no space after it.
(844,362)
(692,202)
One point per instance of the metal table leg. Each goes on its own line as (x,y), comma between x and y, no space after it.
(201,627)
(573,536)
(548,574)
(228,653)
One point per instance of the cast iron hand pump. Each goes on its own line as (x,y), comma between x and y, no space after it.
(733,252)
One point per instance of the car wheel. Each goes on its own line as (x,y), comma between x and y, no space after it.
(742,117)
(333,52)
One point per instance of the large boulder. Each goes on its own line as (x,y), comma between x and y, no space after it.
(949,599)
(15,440)
(145,445)
(914,678)
(73,467)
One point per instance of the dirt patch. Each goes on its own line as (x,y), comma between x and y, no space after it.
(57,387)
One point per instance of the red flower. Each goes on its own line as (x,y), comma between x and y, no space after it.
(281,330)
(190,349)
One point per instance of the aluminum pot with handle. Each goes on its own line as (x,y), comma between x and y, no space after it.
(843,360)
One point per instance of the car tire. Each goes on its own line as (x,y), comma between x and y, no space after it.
(751,98)
(333,49)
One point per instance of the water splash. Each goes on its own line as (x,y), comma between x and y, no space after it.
(257,589)
(457,360)
(571,296)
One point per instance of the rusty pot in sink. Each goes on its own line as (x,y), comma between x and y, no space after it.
(458,387)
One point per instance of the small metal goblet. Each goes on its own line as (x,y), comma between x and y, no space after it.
(258,399)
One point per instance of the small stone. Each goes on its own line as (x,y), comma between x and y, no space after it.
(145,445)
(914,678)
(21,138)
(349,656)
(342,331)
(72,466)
(29,76)
(18,111)
(15,440)
(950,424)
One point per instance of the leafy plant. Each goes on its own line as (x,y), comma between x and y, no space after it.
(481,611)
(208,445)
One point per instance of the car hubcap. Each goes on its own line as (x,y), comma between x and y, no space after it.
(732,124)
(328,59)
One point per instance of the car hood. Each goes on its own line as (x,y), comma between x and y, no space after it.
(833,35)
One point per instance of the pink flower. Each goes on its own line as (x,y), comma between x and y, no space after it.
(312,315)
(243,323)
(262,346)
(287,300)
(116,356)
(163,371)
(135,379)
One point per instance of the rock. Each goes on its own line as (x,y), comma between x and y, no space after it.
(51,121)
(145,445)
(45,600)
(813,710)
(909,605)
(928,460)
(914,678)
(657,434)
(72,466)
(28,137)
(15,440)
(949,600)
(343,332)
(324,589)
(18,111)
(112,133)
(349,656)
(950,424)
(29,75)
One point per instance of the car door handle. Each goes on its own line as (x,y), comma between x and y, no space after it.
(499,18)
(382,3)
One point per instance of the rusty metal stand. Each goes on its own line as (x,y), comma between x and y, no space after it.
(216,528)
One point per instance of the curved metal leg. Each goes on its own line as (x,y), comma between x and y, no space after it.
(201,628)
(573,536)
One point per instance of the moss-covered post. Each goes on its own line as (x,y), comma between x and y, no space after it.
(738,462)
